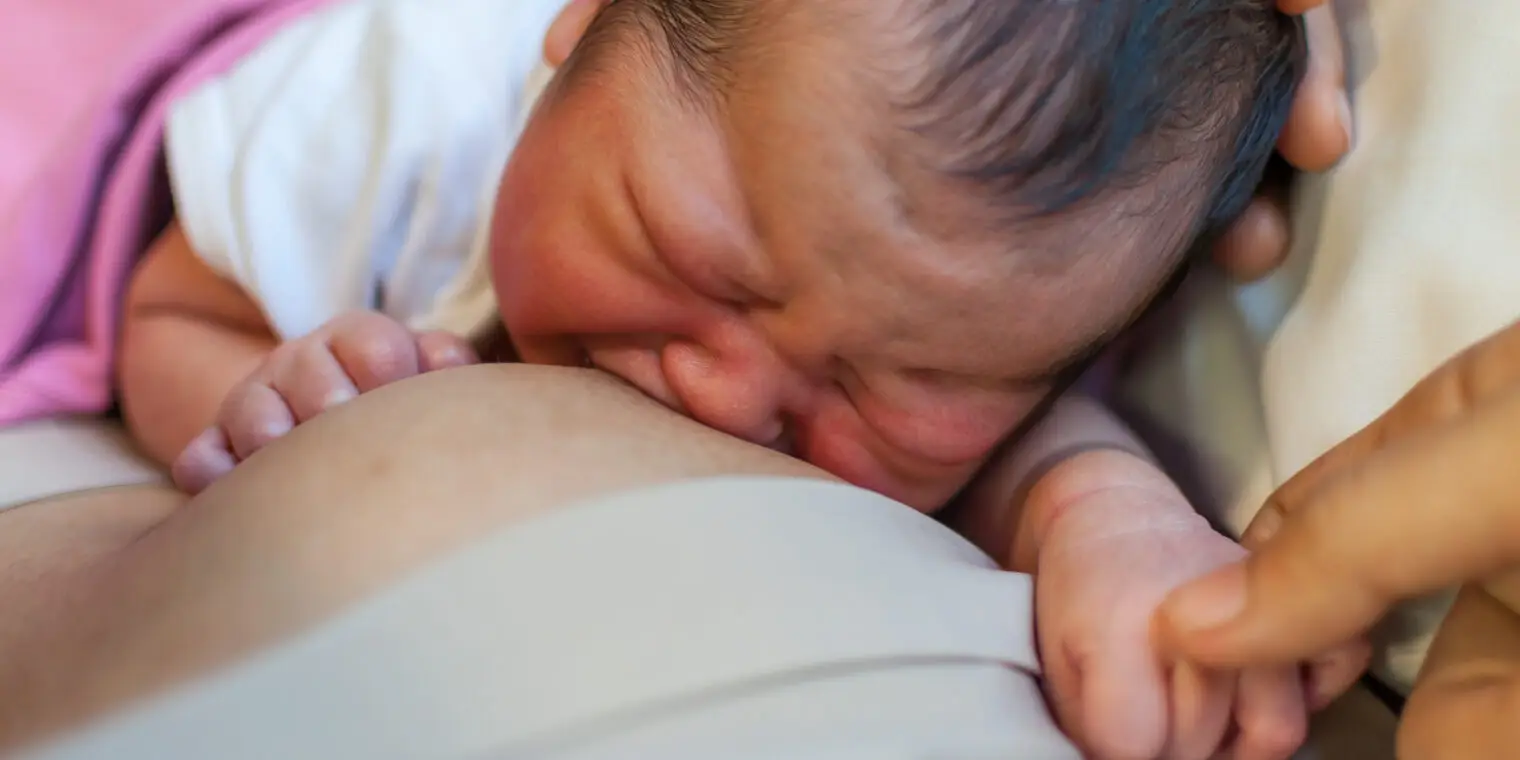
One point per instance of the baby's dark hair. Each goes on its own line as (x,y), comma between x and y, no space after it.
(1051,103)
(1045,107)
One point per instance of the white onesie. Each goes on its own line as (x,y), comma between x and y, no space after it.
(351,161)
(1405,255)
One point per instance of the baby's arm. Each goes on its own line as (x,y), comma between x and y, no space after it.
(189,336)
(1008,509)
(1080,505)
(206,383)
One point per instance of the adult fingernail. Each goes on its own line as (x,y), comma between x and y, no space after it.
(1266,524)
(1209,602)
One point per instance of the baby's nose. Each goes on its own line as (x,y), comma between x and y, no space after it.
(742,393)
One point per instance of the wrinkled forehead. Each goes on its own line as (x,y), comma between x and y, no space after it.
(994,300)
(989,313)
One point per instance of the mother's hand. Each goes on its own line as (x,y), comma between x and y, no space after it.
(1424,498)
(1317,134)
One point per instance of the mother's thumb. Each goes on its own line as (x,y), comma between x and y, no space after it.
(1428,511)
(1256,612)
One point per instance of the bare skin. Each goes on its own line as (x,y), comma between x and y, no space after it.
(49,551)
(734,282)
(140,595)
(1321,570)
(1319,132)
(158,589)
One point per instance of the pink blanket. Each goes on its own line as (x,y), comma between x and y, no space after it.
(84,88)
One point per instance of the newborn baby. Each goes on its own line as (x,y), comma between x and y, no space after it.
(880,236)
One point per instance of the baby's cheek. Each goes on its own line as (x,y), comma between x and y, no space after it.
(845,448)
(944,432)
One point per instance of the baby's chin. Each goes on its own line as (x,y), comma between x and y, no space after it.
(926,488)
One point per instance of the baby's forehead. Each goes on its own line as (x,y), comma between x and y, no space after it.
(1009,312)
(925,274)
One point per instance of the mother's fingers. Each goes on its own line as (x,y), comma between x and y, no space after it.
(1299,6)
(568,28)
(1468,695)
(1256,243)
(1420,514)
(1319,127)
(1485,370)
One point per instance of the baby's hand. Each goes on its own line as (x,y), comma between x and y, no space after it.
(353,354)
(1106,561)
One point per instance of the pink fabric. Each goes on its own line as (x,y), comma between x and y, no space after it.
(84,89)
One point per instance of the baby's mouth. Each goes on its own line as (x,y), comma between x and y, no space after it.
(637,374)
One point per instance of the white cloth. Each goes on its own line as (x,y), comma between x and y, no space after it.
(727,617)
(1405,255)
(351,161)
(48,458)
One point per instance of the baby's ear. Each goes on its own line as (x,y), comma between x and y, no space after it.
(568,28)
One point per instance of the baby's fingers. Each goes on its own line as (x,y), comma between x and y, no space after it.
(207,458)
(1329,676)
(1270,714)
(1201,703)
(373,349)
(442,350)
(253,416)
(1124,705)
(310,379)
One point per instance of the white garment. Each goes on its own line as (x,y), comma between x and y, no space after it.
(1406,254)
(757,618)
(351,161)
(46,458)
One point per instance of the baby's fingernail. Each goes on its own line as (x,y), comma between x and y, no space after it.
(1209,602)
(338,396)
(1329,677)
(1348,121)
(1322,690)
(1268,521)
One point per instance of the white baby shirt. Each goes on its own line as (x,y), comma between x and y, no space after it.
(351,161)
(1404,255)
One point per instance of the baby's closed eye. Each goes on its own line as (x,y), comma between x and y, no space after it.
(933,419)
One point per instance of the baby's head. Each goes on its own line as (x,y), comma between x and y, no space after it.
(876,233)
